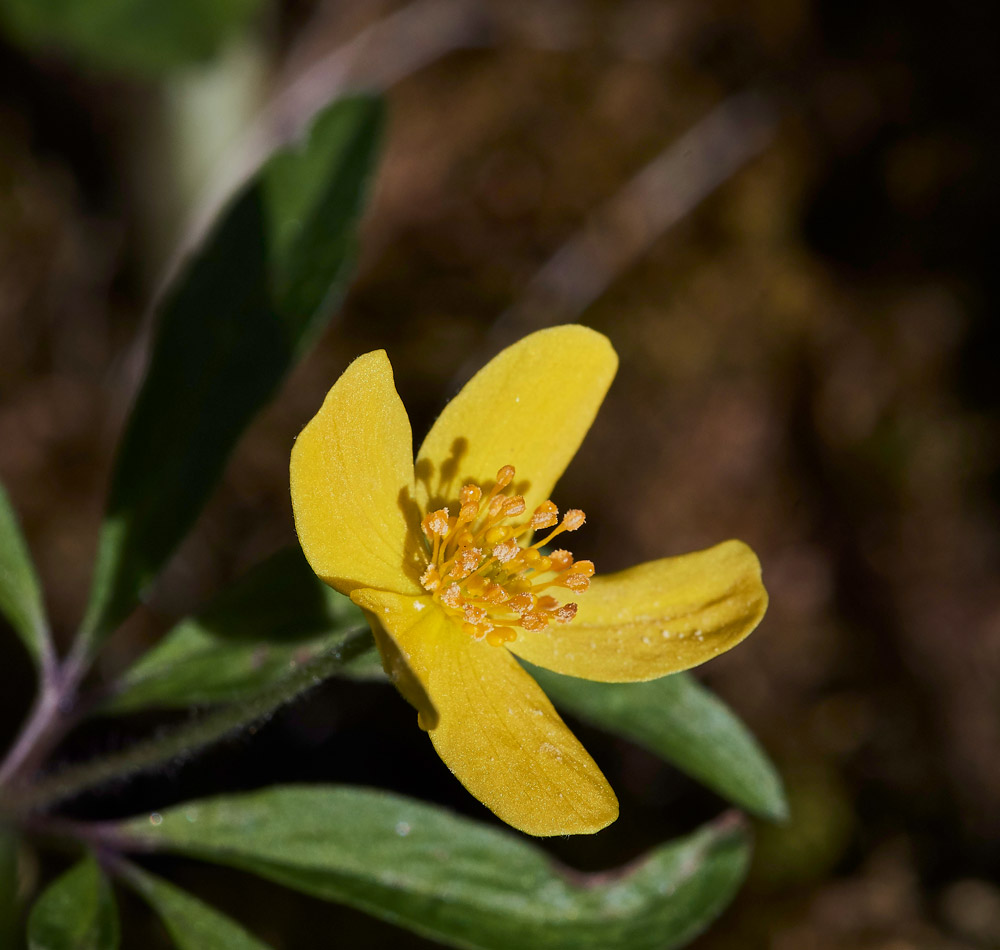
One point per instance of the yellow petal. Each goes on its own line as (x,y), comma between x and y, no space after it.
(529,407)
(656,618)
(493,726)
(352,484)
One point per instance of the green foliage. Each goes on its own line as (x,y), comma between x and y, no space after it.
(674,717)
(77,912)
(232,324)
(683,722)
(140,36)
(20,595)
(452,879)
(192,924)
(182,741)
(279,616)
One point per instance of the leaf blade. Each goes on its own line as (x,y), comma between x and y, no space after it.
(20,592)
(455,880)
(234,321)
(183,741)
(683,722)
(278,616)
(76,912)
(136,36)
(191,923)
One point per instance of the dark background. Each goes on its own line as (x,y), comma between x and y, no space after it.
(806,364)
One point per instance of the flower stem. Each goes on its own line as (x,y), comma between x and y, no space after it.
(52,714)
(186,739)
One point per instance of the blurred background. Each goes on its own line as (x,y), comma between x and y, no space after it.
(778,211)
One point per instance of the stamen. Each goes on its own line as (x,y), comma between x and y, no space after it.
(436,523)
(486,577)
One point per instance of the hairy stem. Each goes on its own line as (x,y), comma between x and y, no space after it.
(53,714)
(187,739)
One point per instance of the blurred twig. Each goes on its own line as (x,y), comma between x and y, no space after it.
(617,234)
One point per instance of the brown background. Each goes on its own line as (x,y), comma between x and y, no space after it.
(805,364)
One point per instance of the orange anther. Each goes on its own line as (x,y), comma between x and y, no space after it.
(436,523)
(560,559)
(430,580)
(577,583)
(506,551)
(534,621)
(467,560)
(474,614)
(565,613)
(584,567)
(514,506)
(523,602)
(505,476)
(546,515)
(573,519)
(496,594)
(498,636)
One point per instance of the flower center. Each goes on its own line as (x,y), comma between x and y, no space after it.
(482,571)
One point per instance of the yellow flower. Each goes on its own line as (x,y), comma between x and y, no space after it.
(440,555)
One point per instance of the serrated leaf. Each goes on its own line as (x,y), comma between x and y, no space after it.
(20,593)
(457,881)
(76,912)
(683,722)
(192,924)
(234,321)
(253,635)
(139,36)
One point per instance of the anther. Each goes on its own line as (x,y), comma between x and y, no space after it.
(560,559)
(565,613)
(506,551)
(484,572)
(430,580)
(436,523)
(467,560)
(514,506)
(471,496)
(546,515)
(474,614)
(523,602)
(577,583)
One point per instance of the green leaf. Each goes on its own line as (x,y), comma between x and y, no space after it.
(233,323)
(683,722)
(184,740)
(457,881)
(140,36)
(192,925)
(77,912)
(20,593)
(277,617)
(674,717)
